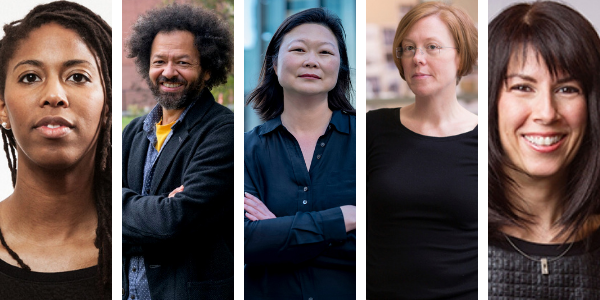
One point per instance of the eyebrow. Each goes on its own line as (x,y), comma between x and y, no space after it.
(66,64)
(32,62)
(320,43)
(428,39)
(160,55)
(529,78)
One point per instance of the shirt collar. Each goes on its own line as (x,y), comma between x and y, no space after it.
(339,119)
(156,114)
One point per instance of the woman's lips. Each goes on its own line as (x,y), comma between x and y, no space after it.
(53,127)
(544,143)
(310,76)
(420,76)
(52,132)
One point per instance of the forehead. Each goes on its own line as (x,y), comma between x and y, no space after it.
(429,28)
(178,42)
(528,61)
(52,42)
(311,33)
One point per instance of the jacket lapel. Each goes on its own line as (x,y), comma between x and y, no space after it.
(177,140)
(135,169)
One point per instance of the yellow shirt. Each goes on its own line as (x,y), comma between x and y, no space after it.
(162,131)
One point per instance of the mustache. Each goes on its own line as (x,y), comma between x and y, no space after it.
(174,79)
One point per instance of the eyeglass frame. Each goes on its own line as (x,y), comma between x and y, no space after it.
(400,49)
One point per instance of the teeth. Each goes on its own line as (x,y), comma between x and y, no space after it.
(544,141)
(171,85)
(52,126)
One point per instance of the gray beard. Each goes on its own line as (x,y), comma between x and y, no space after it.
(171,101)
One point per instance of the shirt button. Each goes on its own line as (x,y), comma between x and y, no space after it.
(305,188)
(319,156)
(304,202)
(322,144)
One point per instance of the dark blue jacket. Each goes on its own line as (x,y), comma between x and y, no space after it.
(187,240)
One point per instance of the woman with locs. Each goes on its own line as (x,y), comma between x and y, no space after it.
(55,108)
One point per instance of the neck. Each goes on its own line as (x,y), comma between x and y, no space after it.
(438,109)
(50,204)
(540,199)
(305,113)
(171,115)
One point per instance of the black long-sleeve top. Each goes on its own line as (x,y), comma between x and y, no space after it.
(421,212)
(304,253)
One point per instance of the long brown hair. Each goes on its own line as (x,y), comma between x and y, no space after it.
(567,43)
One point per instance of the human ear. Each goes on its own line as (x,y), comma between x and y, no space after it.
(4,114)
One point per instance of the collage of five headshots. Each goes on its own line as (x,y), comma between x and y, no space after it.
(352,130)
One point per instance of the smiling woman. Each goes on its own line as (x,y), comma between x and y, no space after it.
(55,108)
(544,163)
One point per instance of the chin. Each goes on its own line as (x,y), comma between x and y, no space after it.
(543,171)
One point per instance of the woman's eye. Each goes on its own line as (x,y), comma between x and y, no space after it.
(326,52)
(298,50)
(183,63)
(157,62)
(432,47)
(30,78)
(521,88)
(409,48)
(568,90)
(79,78)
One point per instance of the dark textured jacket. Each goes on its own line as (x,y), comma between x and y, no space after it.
(576,275)
(187,240)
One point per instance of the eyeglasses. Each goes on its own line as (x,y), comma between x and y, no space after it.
(409,51)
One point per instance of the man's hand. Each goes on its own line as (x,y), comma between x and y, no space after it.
(175,191)
(255,209)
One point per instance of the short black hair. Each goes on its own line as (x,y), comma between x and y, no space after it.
(97,35)
(267,98)
(212,38)
(566,43)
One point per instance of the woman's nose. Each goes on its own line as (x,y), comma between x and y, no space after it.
(54,94)
(419,57)
(311,60)
(545,110)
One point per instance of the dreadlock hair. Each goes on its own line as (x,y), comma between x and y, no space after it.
(267,97)
(97,35)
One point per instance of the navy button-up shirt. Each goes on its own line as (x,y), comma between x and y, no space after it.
(304,253)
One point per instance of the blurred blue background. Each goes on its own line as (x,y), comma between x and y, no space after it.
(261,20)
